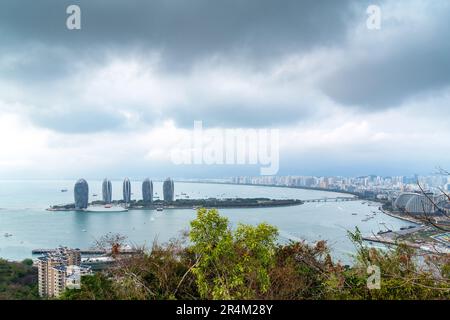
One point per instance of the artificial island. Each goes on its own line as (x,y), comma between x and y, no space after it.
(107,204)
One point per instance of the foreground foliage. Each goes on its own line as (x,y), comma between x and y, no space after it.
(18,280)
(218,262)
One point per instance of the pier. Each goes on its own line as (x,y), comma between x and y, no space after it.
(86,251)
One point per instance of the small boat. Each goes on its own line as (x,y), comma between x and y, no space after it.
(64,190)
(159,209)
(7,235)
(354,214)
(106,208)
(94,195)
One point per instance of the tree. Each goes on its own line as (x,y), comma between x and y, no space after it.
(231,265)
(402,274)
(18,280)
(247,263)
(93,287)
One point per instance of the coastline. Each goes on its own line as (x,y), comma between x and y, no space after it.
(275,186)
(401,217)
(280,192)
(243,203)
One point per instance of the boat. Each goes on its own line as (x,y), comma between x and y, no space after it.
(106,208)
(159,209)
(64,190)
(94,195)
(354,214)
(7,235)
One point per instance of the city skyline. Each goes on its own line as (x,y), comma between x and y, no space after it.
(243,151)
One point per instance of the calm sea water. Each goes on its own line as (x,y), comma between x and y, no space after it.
(23,214)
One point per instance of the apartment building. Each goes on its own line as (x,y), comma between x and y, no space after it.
(58,270)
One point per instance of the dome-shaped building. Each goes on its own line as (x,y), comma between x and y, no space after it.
(147,191)
(402,200)
(126,190)
(81,194)
(419,204)
(107,191)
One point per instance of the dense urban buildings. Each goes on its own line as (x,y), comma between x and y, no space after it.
(168,190)
(377,185)
(81,194)
(147,191)
(126,190)
(107,191)
(404,192)
(59,270)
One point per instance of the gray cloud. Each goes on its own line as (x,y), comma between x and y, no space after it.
(45,60)
(41,57)
(185,30)
(396,67)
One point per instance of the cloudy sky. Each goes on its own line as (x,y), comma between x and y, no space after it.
(113,98)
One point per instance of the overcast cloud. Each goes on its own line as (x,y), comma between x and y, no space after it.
(114,97)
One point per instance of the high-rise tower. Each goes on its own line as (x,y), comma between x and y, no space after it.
(147,191)
(168,190)
(81,194)
(107,191)
(126,190)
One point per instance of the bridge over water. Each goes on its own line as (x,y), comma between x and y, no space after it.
(337,199)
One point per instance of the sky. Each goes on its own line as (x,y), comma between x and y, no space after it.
(115,97)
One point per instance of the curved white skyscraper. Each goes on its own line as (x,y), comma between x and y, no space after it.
(126,190)
(107,191)
(81,194)
(147,191)
(168,190)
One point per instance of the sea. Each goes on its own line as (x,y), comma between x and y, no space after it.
(25,224)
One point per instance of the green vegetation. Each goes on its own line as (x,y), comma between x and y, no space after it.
(18,280)
(231,265)
(190,203)
(247,263)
